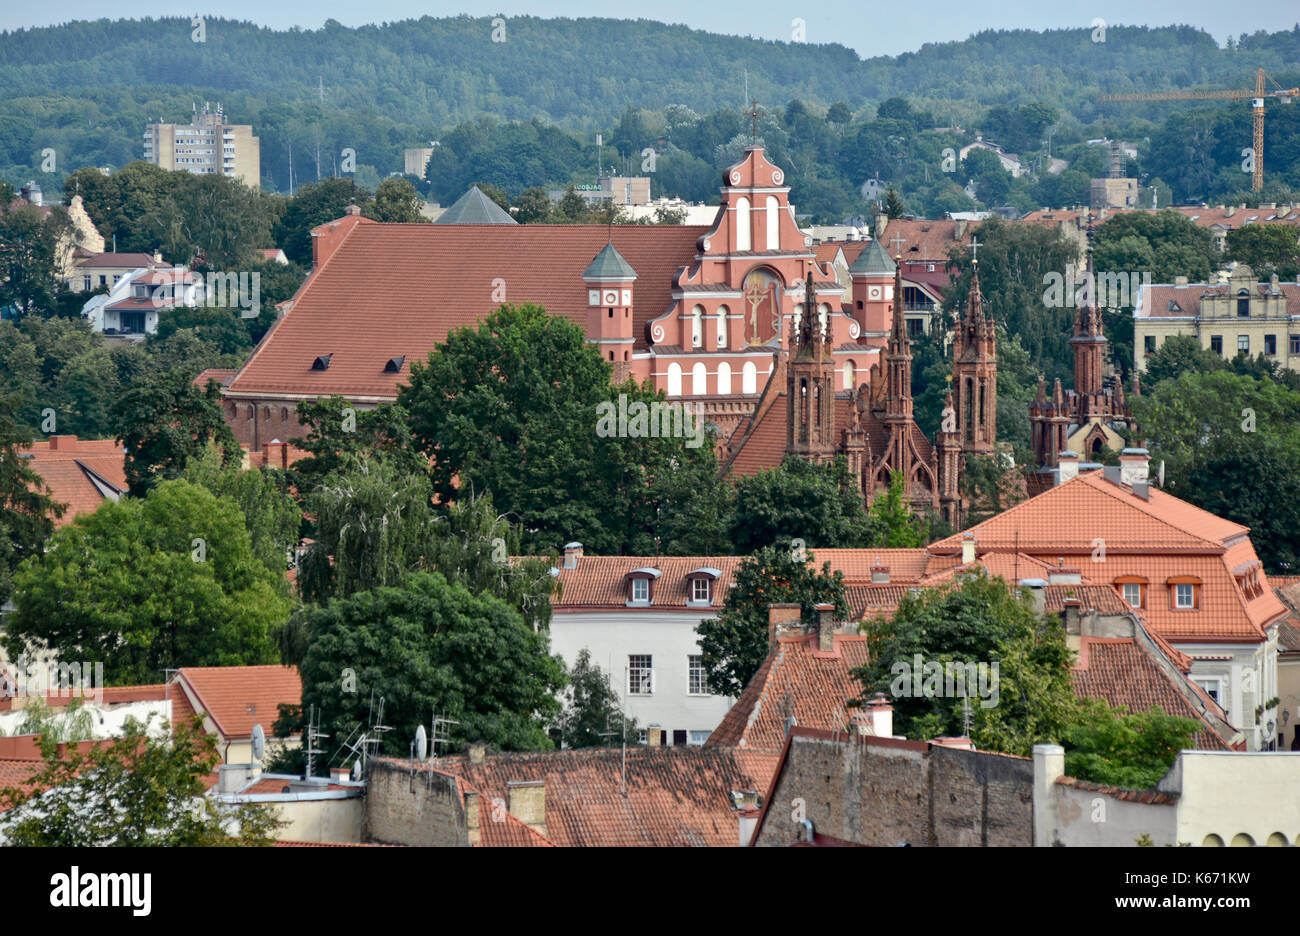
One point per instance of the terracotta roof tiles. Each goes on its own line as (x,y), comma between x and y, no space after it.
(238,697)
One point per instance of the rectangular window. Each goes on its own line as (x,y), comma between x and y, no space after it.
(640,674)
(1243,343)
(1216,344)
(1295,344)
(640,589)
(699,684)
(696,738)
(1149,344)
(700,589)
(1211,687)
(1270,345)
(1184,596)
(1243,307)
(1133,594)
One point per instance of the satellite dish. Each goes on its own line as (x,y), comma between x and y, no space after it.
(1160,474)
(421,743)
(259,742)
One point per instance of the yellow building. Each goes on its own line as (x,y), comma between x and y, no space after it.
(206,146)
(1236,314)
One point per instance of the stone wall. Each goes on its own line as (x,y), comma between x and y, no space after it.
(402,808)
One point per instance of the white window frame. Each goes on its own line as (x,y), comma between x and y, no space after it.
(640,675)
(691,670)
(695,589)
(1191,596)
(1131,602)
(641,585)
(1213,686)
(692,736)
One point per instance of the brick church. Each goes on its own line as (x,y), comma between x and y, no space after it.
(710,314)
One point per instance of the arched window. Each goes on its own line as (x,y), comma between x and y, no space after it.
(697,327)
(749,378)
(723,339)
(773,223)
(699,379)
(674,379)
(724,378)
(798,317)
(743,223)
(850,374)
(284,414)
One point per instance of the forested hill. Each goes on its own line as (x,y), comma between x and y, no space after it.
(86,89)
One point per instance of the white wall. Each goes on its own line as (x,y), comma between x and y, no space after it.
(669,637)
(1227,794)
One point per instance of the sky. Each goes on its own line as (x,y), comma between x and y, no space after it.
(870,27)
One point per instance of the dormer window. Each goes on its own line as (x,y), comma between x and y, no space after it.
(394,365)
(1184,593)
(1133,589)
(1184,596)
(641,586)
(699,585)
(322,362)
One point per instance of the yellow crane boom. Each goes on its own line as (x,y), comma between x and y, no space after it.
(1257,109)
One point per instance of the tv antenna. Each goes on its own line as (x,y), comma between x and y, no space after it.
(313,735)
(439,733)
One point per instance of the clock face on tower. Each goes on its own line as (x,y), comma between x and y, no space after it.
(873,292)
(611,297)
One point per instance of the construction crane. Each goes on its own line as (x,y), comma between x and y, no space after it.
(1284,95)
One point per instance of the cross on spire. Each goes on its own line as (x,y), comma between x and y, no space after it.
(975,246)
(753,116)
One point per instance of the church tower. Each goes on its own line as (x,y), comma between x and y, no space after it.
(948,445)
(872,276)
(975,374)
(810,390)
(609,278)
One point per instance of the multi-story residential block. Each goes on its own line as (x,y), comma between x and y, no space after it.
(1236,315)
(206,146)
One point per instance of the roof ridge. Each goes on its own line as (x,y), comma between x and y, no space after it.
(1098,483)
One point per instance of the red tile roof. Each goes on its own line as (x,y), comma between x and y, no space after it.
(601,581)
(674,795)
(121,261)
(925,240)
(1125,673)
(219,374)
(394,290)
(800,680)
(1162,301)
(108,695)
(238,697)
(80,472)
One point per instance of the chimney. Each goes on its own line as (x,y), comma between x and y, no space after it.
(747,819)
(1180,281)
(527,803)
(1272,283)
(1134,464)
(960,744)
(882,716)
(781,619)
(825,627)
(351,211)
(472,821)
(1049,765)
(572,553)
(1036,587)
(654,736)
(967,548)
(231,778)
(62,443)
(1067,467)
(1229,211)
(477,753)
(1065,575)
(340,774)
(1070,614)
(879,574)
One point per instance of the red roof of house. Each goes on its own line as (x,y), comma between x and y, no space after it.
(601,581)
(396,290)
(121,261)
(219,374)
(238,697)
(796,680)
(674,795)
(80,472)
(1124,672)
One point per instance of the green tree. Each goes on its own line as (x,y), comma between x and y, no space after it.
(150,584)
(1180,354)
(337,430)
(819,504)
(1163,243)
(27,512)
(1267,249)
(989,487)
(893,525)
(28,258)
(979,621)
(425,645)
(164,421)
(593,715)
(396,202)
(372,528)
(315,204)
(1130,750)
(734,645)
(145,788)
(894,207)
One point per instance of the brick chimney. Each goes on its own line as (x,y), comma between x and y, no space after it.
(62,443)
(967,548)
(1065,575)
(527,803)
(340,774)
(782,619)
(879,573)
(473,825)
(825,627)
(572,553)
(1070,614)
(352,211)
(477,753)
(1134,465)
(1036,588)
